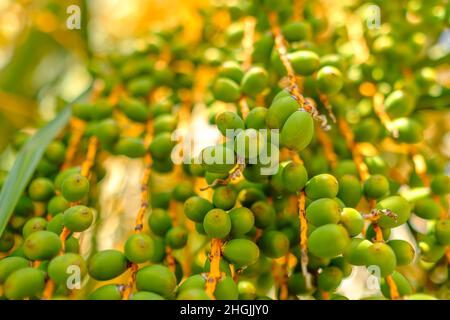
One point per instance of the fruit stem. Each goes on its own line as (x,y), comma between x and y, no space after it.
(298,10)
(284,278)
(420,167)
(304,238)
(247,45)
(247,41)
(392,288)
(139,223)
(353,147)
(77,128)
(48,290)
(214,271)
(294,90)
(378,107)
(325,141)
(129,287)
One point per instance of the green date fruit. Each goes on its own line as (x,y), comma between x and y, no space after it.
(157,279)
(107,264)
(241,252)
(297,131)
(328,241)
(217,224)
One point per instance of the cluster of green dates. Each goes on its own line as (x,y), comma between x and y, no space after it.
(37,238)
(251,205)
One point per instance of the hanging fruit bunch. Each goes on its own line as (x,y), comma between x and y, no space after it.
(329,164)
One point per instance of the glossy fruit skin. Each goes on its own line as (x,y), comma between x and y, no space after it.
(42,245)
(264,214)
(57,205)
(195,208)
(322,186)
(226,90)
(217,224)
(329,279)
(247,290)
(242,221)
(343,265)
(75,187)
(193,294)
(164,123)
(382,256)
(241,252)
(63,175)
(427,208)
(403,286)
(161,146)
(440,184)
(294,176)
(160,222)
(398,104)
(24,283)
(231,70)
(397,205)
(196,281)
(107,132)
(328,241)
(72,245)
(352,221)
(176,237)
(144,295)
(139,248)
(218,159)
(55,152)
(297,31)
(41,189)
(229,121)
(431,250)
(59,267)
(376,186)
(274,244)
(106,292)
(280,110)
(323,211)
(159,250)
(304,62)
(33,225)
(107,264)
(226,289)
(10,264)
(130,146)
(56,224)
(224,197)
(297,284)
(442,230)
(256,118)
(368,130)
(156,278)
(78,218)
(329,80)
(293,138)
(404,251)
(183,191)
(349,190)
(409,130)
(255,80)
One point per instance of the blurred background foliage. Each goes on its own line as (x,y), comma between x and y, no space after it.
(43,64)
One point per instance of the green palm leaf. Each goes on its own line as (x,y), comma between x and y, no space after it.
(27,160)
